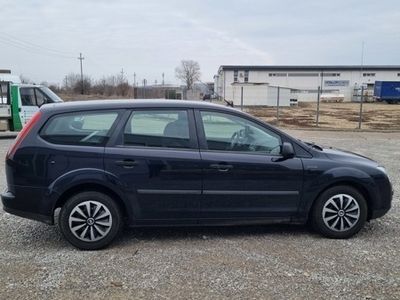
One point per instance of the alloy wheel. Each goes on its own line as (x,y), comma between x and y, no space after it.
(341,212)
(90,221)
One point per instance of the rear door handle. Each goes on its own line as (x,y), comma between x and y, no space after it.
(126,163)
(221,167)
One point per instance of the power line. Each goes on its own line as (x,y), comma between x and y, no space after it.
(31,45)
(31,49)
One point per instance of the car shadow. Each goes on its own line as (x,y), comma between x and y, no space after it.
(212,232)
(34,235)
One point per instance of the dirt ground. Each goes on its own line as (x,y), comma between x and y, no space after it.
(376,116)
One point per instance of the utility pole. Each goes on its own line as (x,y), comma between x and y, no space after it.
(122,75)
(81,58)
(134,79)
(163,79)
(144,88)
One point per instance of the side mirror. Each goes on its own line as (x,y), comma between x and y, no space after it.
(287,150)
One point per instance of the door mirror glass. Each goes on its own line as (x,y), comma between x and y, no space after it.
(287,150)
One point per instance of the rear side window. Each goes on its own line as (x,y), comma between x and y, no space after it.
(80,128)
(154,128)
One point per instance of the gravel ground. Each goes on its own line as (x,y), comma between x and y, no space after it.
(236,262)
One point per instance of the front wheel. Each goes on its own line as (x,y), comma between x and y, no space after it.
(90,220)
(340,212)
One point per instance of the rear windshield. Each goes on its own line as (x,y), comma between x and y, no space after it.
(80,128)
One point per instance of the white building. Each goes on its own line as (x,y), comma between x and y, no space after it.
(302,81)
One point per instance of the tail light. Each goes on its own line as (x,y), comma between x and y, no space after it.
(22,134)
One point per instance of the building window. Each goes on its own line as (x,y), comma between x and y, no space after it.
(368,74)
(398,74)
(277,74)
(246,76)
(330,74)
(303,74)
(235,75)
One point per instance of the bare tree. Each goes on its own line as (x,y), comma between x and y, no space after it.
(188,72)
(73,83)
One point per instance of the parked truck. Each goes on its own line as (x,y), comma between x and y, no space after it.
(19,101)
(388,91)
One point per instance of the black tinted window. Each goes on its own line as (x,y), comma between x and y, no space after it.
(83,128)
(158,129)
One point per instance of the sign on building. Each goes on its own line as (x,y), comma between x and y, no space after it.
(337,82)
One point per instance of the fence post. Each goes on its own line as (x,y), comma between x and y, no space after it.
(361,107)
(277,106)
(241,98)
(318,100)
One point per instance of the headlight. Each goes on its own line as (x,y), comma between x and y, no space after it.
(382,169)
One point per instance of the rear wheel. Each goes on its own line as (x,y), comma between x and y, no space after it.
(90,220)
(340,212)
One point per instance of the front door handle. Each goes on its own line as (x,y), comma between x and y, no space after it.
(221,167)
(126,163)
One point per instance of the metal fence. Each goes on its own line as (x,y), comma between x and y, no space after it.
(360,113)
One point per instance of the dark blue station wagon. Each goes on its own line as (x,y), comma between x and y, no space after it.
(153,163)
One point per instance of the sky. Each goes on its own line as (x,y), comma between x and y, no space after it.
(42,39)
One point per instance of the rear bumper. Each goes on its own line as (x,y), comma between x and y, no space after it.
(9,202)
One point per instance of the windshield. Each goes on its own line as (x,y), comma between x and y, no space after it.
(53,96)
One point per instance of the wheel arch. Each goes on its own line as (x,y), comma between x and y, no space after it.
(85,187)
(345,182)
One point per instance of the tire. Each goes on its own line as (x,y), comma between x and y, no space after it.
(350,217)
(96,230)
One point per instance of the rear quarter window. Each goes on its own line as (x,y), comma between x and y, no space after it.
(79,128)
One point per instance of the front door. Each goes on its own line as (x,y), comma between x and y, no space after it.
(157,162)
(244,176)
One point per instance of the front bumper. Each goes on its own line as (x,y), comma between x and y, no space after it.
(8,199)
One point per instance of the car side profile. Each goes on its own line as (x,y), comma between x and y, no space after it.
(179,163)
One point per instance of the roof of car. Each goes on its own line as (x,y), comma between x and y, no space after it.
(130,103)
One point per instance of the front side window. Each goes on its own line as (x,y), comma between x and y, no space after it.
(41,98)
(28,96)
(158,128)
(225,132)
(80,128)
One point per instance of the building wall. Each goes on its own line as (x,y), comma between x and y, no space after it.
(304,84)
(258,95)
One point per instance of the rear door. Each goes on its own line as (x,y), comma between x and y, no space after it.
(156,161)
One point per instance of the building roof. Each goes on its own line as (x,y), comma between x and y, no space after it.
(311,67)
